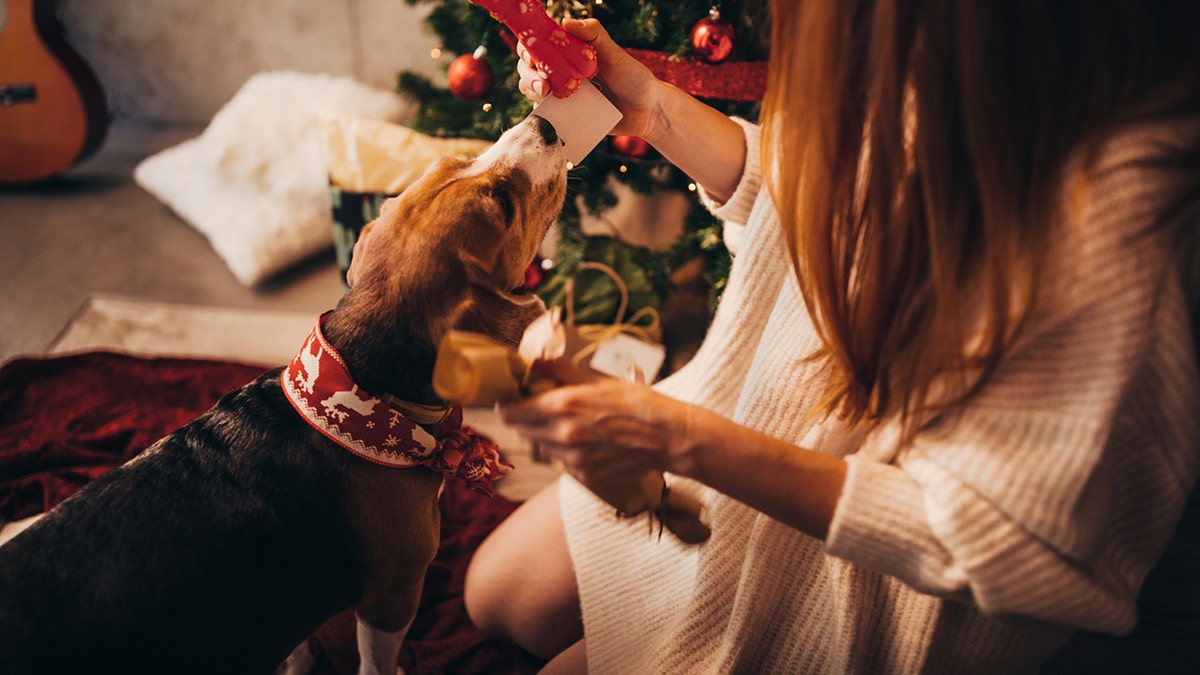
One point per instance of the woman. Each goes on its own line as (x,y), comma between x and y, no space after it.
(945,416)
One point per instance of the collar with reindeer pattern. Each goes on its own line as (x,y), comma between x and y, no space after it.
(318,385)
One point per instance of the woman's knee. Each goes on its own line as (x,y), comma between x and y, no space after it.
(521,583)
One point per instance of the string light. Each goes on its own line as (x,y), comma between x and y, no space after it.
(623,169)
(435,53)
(691,187)
(487,107)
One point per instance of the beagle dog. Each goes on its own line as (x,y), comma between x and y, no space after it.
(226,544)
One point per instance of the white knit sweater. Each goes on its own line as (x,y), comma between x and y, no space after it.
(976,548)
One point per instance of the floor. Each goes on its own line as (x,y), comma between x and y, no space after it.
(93,232)
(90,260)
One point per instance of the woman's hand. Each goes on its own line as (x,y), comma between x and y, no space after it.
(700,140)
(605,432)
(631,87)
(609,432)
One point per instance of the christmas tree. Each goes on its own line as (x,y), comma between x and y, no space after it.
(714,50)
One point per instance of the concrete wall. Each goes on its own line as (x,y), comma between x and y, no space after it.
(179,61)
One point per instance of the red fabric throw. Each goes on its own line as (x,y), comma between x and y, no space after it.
(66,420)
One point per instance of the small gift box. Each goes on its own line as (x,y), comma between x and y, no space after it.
(351,211)
(473,369)
(632,344)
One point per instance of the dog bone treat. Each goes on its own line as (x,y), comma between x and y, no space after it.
(471,369)
(565,59)
(581,115)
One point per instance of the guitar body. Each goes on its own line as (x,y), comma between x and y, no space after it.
(53,113)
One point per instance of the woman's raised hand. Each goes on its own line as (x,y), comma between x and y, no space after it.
(631,87)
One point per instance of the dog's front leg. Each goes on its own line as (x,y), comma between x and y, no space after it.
(378,639)
(378,649)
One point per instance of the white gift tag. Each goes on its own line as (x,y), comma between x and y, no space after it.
(615,355)
(581,120)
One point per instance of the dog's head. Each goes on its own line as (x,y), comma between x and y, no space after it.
(450,251)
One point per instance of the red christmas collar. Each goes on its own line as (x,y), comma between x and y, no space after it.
(319,387)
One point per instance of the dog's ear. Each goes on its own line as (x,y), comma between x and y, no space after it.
(503,316)
(417,287)
(437,291)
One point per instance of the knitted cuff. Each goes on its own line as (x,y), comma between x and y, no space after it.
(880,523)
(736,211)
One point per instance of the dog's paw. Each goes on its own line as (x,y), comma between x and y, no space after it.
(301,661)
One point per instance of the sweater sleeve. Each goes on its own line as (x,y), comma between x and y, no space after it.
(1053,492)
(736,212)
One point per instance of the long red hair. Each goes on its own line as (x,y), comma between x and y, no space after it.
(914,149)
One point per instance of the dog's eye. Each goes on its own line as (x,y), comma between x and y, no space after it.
(505,202)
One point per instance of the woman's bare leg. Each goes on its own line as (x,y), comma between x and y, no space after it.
(521,583)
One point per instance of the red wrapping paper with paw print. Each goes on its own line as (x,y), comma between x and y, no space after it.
(564,59)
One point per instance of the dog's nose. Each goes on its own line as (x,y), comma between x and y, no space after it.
(546,129)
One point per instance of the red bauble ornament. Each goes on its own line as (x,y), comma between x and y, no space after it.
(712,38)
(470,76)
(534,274)
(630,146)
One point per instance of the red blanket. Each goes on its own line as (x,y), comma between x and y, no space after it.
(67,420)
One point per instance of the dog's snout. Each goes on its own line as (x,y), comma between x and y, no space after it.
(546,129)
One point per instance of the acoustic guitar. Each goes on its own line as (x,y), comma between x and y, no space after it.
(53,113)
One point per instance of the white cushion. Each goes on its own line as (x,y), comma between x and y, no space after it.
(255,182)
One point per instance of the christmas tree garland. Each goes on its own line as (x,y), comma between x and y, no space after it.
(737,81)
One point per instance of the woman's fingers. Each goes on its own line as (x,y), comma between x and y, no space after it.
(533,83)
(593,32)
(533,89)
(607,413)
(588,30)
